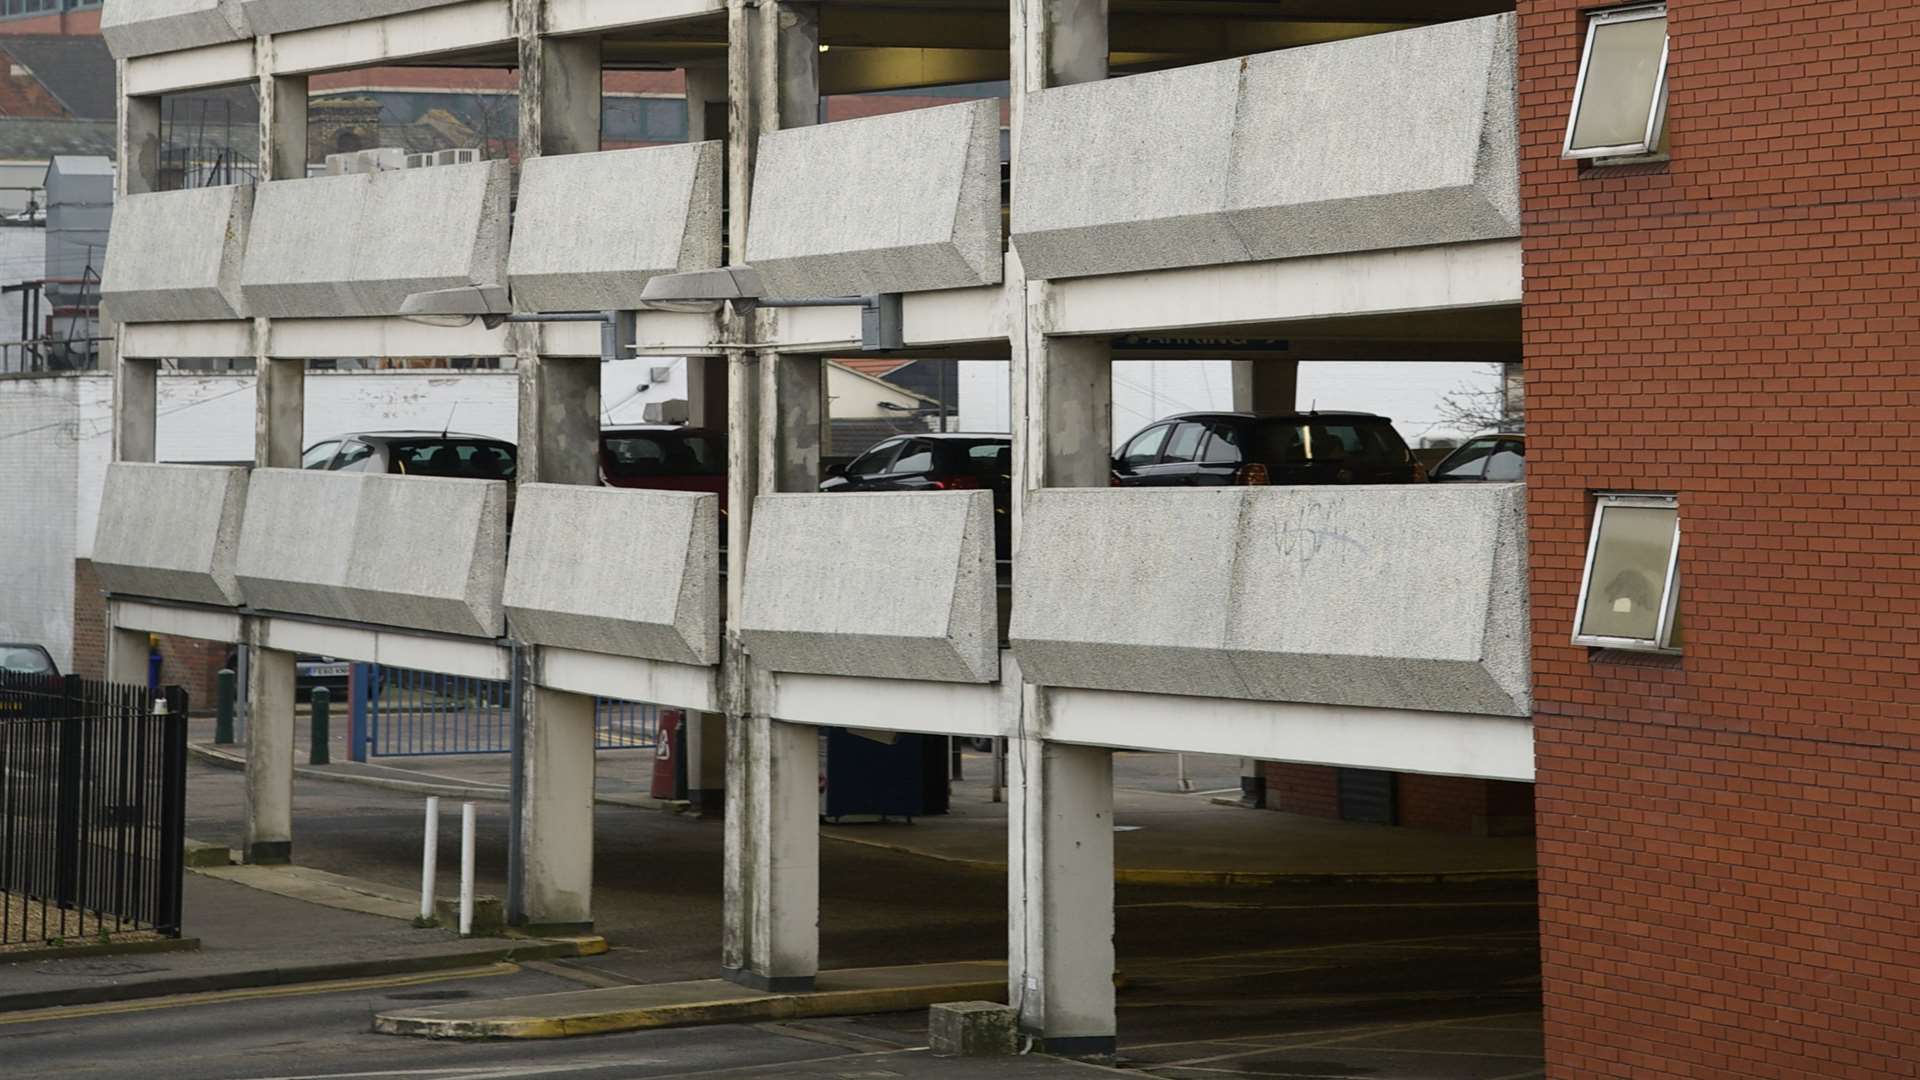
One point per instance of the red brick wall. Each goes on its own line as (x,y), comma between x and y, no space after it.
(1727,842)
(184,662)
(89,623)
(1312,790)
(72,22)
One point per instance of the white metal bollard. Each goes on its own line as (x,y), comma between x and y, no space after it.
(430,857)
(466,869)
(1186,782)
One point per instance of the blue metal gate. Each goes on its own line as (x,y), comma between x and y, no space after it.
(399,712)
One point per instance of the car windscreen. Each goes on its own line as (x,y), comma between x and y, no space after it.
(664,453)
(471,459)
(24,660)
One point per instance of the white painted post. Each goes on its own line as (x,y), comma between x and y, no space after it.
(1186,782)
(466,869)
(429,857)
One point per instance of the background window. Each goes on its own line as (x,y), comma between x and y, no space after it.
(917,457)
(1620,101)
(1145,447)
(1627,597)
(1185,444)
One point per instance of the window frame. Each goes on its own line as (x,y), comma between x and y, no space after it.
(1670,596)
(1656,117)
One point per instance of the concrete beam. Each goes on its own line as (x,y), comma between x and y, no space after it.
(928,320)
(170,532)
(226,64)
(610,570)
(362,565)
(144,27)
(651,211)
(588,16)
(1430,583)
(392,338)
(976,710)
(1276,156)
(204,624)
(1395,740)
(629,678)
(931,616)
(413,35)
(393,648)
(899,203)
(1443,277)
(359,245)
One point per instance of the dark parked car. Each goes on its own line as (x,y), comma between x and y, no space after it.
(415,453)
(309,671)
(19,658)
(1222,448)
(665,457)
(936,462)
(1491,458)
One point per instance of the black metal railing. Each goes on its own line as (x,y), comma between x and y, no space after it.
(92,809)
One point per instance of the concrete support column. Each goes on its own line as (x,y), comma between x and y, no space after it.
(706,103)
(283,118)
(127,652)
(270,740)
(1060,894)
(136,382)
(559,437)
(556,826)
(1266,386)
(1060,823)
(793,421)
(772,937)
(280,405)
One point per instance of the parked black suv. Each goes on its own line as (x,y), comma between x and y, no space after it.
(1214,449)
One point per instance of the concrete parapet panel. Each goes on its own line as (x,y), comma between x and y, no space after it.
(415,552)
(359,245)
(144,27)
(895,585)
(590,229)
(175,256)
(901,203)
(1403,596)
(611,570)
(282,16)
(171,532)
(1394,140)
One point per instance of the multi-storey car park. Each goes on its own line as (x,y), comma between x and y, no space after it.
(1692,222)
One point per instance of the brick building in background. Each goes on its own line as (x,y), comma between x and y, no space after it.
(1726,836)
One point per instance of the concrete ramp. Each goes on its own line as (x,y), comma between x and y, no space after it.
(144,27)
(900,203)
(896,585)
(171,532)
(1394,596)
(359,245)
(1395,140)
(175,256)
(610,570)
(591,229)
(417,552)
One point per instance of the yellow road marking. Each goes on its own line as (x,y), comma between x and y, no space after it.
(219,997)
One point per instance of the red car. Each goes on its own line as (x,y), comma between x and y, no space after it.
(665,457)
